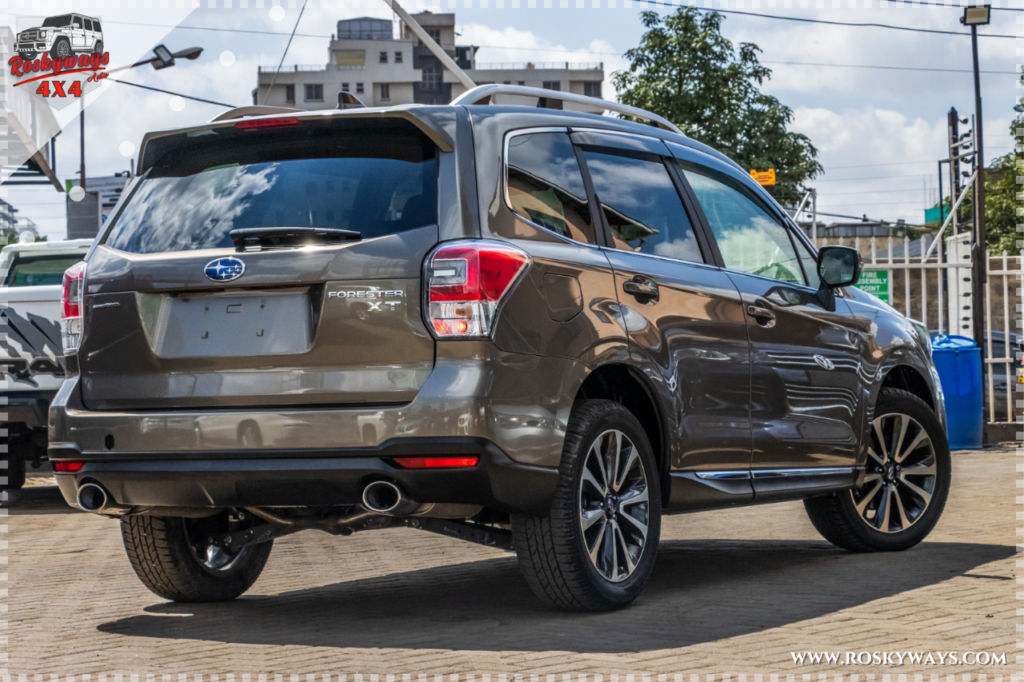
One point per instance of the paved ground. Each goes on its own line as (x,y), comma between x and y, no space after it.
(733,592)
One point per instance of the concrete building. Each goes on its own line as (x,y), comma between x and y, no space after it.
(8,220)
(382,67)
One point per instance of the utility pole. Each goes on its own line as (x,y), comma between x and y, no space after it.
(81,143)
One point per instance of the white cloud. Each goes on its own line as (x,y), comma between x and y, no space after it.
(877,161)
(511,45)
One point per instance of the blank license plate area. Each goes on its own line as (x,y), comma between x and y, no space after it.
(232,325)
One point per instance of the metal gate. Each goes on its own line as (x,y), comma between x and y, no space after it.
(935,288)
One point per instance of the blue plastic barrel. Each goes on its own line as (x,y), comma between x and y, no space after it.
(958,361)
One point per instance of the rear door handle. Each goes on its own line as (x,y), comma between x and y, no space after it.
(763,316)
(643,287)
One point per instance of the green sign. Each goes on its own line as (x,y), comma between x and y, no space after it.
(875,282)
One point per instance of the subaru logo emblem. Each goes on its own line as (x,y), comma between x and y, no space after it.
(224,269)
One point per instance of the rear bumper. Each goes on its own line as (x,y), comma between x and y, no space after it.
(520,403)
(310,478)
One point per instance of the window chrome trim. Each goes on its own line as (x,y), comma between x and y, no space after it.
(508,199)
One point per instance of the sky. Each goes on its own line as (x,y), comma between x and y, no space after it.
(879,131)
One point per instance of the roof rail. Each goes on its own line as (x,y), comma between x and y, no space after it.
(485,94)
(253,110)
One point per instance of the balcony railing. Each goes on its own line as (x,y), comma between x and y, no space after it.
(298,68)
(549,66)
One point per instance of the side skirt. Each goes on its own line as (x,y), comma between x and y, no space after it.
(699,490)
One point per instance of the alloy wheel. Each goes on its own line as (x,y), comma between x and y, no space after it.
(613,506)
(63,50)
(900,477)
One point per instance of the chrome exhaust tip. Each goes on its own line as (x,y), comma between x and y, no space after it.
(92,497)
(384,497)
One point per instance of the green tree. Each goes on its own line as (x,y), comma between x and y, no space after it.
(687,72)
(1001,194)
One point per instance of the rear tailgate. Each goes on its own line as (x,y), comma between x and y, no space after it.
(178,318)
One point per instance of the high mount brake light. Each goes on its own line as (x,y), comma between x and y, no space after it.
(466,282)
(256,123)
(72,302)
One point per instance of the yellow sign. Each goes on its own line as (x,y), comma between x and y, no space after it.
(764,177)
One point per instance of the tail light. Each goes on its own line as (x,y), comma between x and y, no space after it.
(72,303)
(466,282)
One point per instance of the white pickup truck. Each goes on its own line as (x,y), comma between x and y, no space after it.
(31,362)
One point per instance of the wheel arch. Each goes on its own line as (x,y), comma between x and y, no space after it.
(909,379)
(623,384)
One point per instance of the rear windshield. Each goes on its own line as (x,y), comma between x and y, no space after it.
(373,180)
(27,271)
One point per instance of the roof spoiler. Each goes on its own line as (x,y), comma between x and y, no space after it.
(157,143)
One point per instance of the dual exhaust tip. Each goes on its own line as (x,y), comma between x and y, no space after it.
(379,497)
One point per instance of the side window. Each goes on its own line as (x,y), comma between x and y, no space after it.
(750,238)
(545,185)
(77,21)
(96,25)
(642,206)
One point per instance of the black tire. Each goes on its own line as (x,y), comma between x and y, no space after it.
(551,550)
(836,516)
(27,56)
(15,474)
(161,555)
(61,48)
(98,47)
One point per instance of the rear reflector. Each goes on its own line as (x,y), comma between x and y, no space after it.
(436,462)
(266,123)
(67,467)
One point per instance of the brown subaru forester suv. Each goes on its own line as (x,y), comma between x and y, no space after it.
(503,320)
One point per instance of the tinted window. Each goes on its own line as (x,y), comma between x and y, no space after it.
(96,25)
(545,185)
(39,271)
(642,206)
(375,182)
(88,24)
(749,237)
(58,22)
(78,22)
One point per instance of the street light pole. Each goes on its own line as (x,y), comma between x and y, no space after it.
(974,17)
(81,145)
(980,252)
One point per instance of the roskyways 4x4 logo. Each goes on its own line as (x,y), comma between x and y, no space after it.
(48,54)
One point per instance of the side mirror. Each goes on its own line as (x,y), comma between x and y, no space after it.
(838,266)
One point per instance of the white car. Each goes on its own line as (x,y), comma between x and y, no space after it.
(61,36)
(31,359)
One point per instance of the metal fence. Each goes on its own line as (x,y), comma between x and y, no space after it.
(935,288)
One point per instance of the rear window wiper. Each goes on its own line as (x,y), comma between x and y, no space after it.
(270,237)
